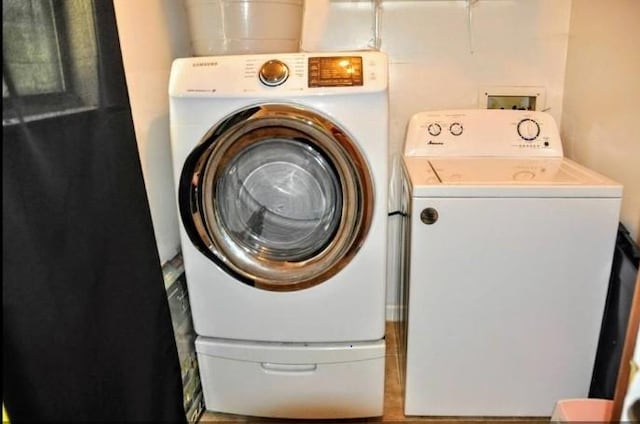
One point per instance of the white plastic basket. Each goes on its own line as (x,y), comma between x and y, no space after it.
(582,410)
(226,27)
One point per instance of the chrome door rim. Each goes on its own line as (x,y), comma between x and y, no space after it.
(256,125)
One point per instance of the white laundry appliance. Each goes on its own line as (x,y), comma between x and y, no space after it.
(280,163)
(510,249)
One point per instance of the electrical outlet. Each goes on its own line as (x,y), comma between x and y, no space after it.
(512,97)
(511,102)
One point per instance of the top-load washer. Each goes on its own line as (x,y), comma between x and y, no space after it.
(510,249)
(280,164)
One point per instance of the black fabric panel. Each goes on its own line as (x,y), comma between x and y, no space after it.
(622,286)
(87,333)
(86,327)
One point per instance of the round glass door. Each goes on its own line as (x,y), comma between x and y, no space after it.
(278,196)
(279,199)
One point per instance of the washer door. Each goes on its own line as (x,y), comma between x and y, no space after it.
(278,196)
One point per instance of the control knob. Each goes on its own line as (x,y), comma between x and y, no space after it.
(528,129)
(273,73)
(434,129)
(456,128)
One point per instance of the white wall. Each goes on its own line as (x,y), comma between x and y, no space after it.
(438,61)
(633,392)
(602,96)
(153,33)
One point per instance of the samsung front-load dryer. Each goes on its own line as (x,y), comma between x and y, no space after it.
(280,164)
(510,250)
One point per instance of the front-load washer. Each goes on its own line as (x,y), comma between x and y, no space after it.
(510,249)
(280,164)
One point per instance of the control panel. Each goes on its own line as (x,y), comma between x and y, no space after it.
(335,71)
(483,132)
(279,75)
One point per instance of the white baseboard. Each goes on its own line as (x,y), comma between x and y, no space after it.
(394,312)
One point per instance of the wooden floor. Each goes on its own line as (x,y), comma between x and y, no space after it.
(392,403)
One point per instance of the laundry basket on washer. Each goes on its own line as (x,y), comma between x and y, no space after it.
(226,27)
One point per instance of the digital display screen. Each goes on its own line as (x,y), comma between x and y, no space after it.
(338,71)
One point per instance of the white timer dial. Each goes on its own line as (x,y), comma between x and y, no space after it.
(528,129)
(456,128)
(434,129)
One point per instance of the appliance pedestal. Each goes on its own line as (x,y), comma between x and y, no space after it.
(292,380)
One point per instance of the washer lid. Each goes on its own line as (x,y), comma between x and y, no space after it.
(507,177)
(553,171)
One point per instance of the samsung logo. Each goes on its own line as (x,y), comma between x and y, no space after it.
(198,64)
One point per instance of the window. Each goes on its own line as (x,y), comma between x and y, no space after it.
(49,58)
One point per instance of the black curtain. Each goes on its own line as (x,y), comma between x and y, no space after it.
(87,333)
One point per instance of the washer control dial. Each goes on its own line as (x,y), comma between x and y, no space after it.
(528,129)
(273,73)
(456,128)
(434,129)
